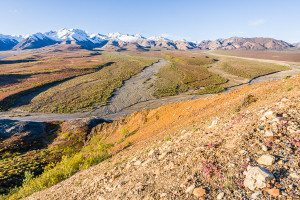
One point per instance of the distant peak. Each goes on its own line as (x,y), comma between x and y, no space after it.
(157,38)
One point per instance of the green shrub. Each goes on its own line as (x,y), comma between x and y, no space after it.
(126,133)
(91,154)
(249,99)
(211,89)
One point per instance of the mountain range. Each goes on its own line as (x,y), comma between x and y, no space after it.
(118,41)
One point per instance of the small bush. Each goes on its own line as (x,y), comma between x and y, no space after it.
(28,177)
(249,99)
(126,133)
(210,169)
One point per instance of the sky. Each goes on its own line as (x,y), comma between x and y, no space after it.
(194,20)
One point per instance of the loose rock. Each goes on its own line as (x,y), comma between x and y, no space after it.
(256,195)
(274,192)
(190,189)
(257,177)
(199,192)
(220,195)
(266,160)
(294,175)
(269,133)
(264,147)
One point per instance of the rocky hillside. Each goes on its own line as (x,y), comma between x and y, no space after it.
(191,150)
(118,41)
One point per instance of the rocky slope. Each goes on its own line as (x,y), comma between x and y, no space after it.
(191,150)
(118,41)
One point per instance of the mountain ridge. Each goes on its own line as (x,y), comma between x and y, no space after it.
(117,41)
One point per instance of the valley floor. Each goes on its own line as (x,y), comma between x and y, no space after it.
(137,94)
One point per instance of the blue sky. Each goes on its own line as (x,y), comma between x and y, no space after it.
(191,19)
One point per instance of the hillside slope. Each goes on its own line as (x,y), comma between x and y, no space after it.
(190,149)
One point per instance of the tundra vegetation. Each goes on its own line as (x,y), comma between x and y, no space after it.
(80,80)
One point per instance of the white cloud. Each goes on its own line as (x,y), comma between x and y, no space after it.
(257,22)
(14,11)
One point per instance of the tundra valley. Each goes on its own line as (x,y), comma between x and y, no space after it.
(124,116)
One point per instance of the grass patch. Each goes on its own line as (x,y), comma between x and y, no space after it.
(126,133)
(211,89)
(249,68)
(21,159)
(93,153)
(71,148)
(45,68)
(89,91)
(185,72)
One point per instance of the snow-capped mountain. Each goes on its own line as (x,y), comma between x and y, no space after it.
(72,36)
(162,42)
(126,37)
(7,42)
(118,41)
(112,44)
(136,41)
(34,41)
(68,35)
(185,45)
(99,40)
